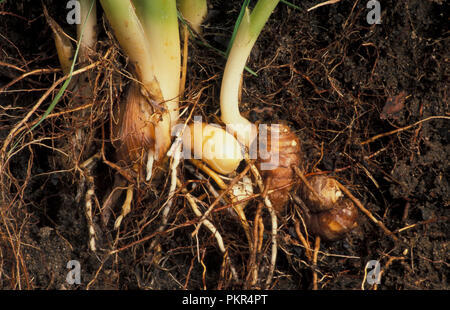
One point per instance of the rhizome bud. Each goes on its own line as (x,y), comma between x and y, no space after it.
(330,214)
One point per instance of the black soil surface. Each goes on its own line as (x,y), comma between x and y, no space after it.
(335,79)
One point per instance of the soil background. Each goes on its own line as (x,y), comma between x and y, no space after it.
(332,77)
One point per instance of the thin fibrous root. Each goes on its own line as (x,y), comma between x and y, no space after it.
(149,166)
(238,208)
(209,172)
(175,153)
(225,190)
(126,207)
(258,237)
(210,226)
(302,239)
(86,167)
(315,254)
(404,128)
(273,217)
(88,208)
(365,211)
(322,4)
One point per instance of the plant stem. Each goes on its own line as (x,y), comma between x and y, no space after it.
(63,45)
(131,36)
(247,34)
(160,21)
(194,11)
(88,14)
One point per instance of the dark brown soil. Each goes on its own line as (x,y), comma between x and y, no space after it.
(335,79)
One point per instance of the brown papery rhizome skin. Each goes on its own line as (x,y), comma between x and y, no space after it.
(325,195)
(333,224)
(134,134)
(329,214)
(288,151)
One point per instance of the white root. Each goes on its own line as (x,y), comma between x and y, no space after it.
(88,210)
(322,4)
(86,168)
(273,217)
(126,207)
(175,153)
(207,184)
(149,167)
(211,228)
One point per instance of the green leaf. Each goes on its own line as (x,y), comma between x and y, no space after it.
(290,4)
(236,26)
(66,83)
